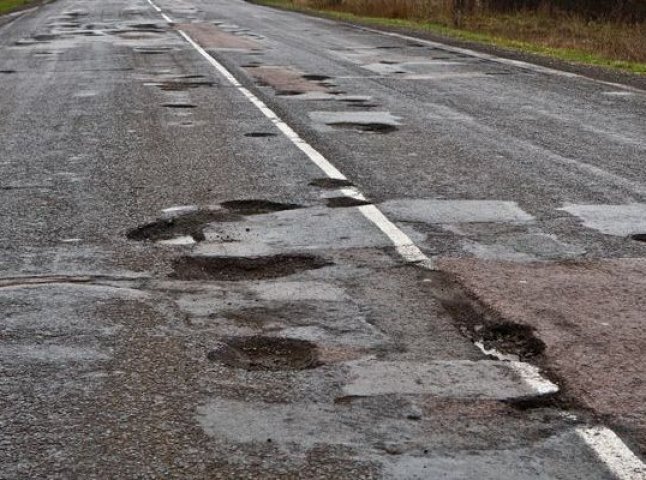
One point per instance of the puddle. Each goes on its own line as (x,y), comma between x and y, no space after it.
(315,77)
(266,353)
(369,122)
(639,237)
(259,134)
(332,183)
(234,269)
(345,202)
(7,72)
(257,207)
(178,105)
(184,225)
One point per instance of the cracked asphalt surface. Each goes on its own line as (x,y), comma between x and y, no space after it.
(183,294)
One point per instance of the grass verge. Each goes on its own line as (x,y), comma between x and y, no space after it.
(570,39)
(8,6)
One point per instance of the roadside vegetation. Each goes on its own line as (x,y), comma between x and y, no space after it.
(609,33)
(7,6)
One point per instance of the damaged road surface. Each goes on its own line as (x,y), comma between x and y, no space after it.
(238,242)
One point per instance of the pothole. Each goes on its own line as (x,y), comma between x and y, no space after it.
(510,338)
(257,207)
(316,77)
(259,134)
(262,353)
(180,86)
(178,105)
(152,50)
(189,224)
(345,202)
(234,269)
(331,183)
(640,237)
(374,127)
(288,93)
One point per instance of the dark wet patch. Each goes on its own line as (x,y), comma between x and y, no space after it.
(316,77)
(288,93)
(414,44)
(259,134)
(266,353)
(178,105)
(7,72)
(189,224)
(332,183)
(388,62)
(387,47)
(147,27)
(360,104)
(192,76)
(511,338)
(257,207)
(44,37)
(235,269)
(373,127)
(639,237)
(179,86)
(345,202)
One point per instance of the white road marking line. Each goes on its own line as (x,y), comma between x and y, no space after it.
(608,447)
(403,244)
(617,457)
(493,58)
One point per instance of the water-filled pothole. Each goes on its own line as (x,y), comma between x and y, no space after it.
(316,77)
(178,105)
(235,269)
(331,183)
(189,224)
(266,353)
(257,207)
(259,134)
(640,237)
(373,127)
(345,202)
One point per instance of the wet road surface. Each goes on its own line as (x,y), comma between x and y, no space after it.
(245,243)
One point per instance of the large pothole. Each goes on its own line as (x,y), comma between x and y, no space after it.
(234,269)
(266,353)
(189,224)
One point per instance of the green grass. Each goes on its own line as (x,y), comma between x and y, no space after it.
(572,55)
(7,6)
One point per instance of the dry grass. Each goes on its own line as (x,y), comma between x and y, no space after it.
(612,41)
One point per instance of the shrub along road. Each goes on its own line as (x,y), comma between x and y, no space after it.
(244,243)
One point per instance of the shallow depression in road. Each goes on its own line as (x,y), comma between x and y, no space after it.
(244,268)
(266,353)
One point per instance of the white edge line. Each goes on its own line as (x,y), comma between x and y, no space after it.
(504,61)
(613,452)
(605,443)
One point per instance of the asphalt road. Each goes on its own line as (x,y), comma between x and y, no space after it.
(237,242)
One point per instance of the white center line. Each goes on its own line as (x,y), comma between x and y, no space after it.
(403,244)
(608,447)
